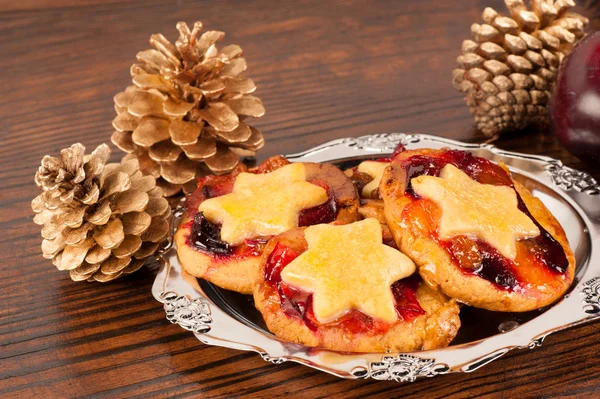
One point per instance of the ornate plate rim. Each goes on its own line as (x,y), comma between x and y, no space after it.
(187,305)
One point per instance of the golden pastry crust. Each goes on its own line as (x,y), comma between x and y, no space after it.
(439,270)
(434,329)
(372,208)
(236,273)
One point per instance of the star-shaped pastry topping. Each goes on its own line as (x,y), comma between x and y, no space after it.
(470,208)
(375,170)
(347,267)
(263,204)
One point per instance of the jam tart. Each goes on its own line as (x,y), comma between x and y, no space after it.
(341,288)
(474,232)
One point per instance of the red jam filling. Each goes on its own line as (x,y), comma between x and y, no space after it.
(324,213)
(477,257)
(297,304)
(206,236)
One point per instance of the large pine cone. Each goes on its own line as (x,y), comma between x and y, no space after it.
(100,221)
(184,118)
(507,71)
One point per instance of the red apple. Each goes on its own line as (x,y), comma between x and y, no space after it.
(575,102)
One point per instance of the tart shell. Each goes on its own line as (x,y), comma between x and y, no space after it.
(233,274)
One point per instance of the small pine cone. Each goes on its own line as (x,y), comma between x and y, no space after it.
(507,71)
(185,115)
(100,221)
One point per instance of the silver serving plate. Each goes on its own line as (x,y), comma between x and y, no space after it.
(222,318)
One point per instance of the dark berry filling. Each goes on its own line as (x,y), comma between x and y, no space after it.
(298,304)
(360,179)
(324,213)
(495,267)
(203,239)
(206,236)
(489,264)
(544,247)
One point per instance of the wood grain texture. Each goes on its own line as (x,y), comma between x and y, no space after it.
(325,69)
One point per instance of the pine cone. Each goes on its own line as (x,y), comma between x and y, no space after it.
(507,71)
(184,118)
(100,221)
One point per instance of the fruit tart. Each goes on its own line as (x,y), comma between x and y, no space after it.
(474,232)
(229,219)
(339,287)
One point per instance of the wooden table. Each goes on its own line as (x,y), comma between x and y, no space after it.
(325,69)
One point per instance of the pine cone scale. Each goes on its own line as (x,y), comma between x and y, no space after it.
(157,206)
(220,116)
(73,255)
(238,84)
(72,236)
(239,135)
(168,188)
(136,222)
(97,255)
(130,244)
(133,266)
(179,172)
(175,108)
(129,201)
(223,161)
(125,122)
(151,131)
(101,214)
(212,87)
(72,217)
(86,269)
(161,43)
(165,152)
(202,149)
(147,249)
(114,265)
(185,133)
(157,230)
(111,235)
(124,141)
(247,106)
(77,276)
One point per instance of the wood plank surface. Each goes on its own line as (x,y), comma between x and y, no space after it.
(325,70)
